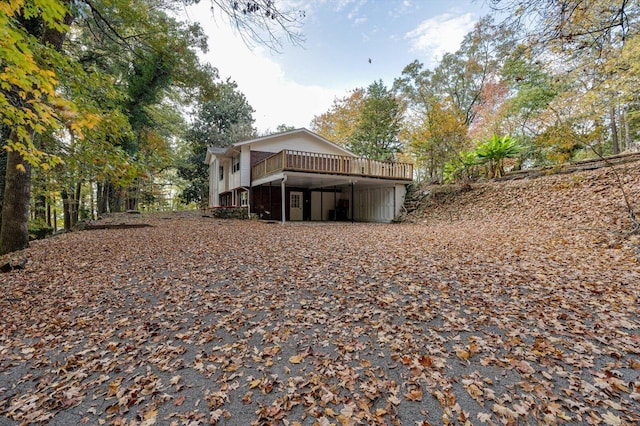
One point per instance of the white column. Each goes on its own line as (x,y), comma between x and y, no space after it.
(282,196)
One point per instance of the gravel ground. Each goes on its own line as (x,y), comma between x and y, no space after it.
(202,321)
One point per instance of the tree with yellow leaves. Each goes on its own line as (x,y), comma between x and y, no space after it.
(339,123)
(37,97)
(31,36)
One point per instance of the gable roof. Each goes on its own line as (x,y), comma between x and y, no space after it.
(284,135)
(216,150)
(213,150)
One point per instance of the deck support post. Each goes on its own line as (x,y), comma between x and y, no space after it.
(335,203)
(283,198)
(353,207)
(270,203)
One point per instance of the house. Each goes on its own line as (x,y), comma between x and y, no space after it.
(300,176)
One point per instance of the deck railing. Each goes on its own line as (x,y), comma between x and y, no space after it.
(311,162)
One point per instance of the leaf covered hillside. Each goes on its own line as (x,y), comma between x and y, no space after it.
(583,199)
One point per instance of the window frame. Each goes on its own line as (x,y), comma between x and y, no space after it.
(235,164)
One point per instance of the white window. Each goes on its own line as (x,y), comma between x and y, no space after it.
(244,198)
(295,201)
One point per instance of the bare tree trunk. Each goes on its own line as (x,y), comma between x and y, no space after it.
(14,234)
(40,205)
(91,201)
(71,206)
(76,204)
(3,173)
(614,131)
(627,135)
(66,210)
(115,198)
(109,198)
(131,199)
(102,191)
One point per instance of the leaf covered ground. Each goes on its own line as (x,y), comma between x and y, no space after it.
(512,303)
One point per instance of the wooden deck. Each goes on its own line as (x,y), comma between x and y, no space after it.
(310,162)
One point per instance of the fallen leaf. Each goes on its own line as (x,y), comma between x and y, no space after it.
(463,354)
(296,359)
(611,419)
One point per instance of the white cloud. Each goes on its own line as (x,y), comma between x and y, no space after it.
(359,20)
(357,4)
(275,98)
(405,7)
(440,34)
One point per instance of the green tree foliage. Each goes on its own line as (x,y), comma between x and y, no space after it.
(584,47)
(561,77)
(281,128)
(461,168)
(533,90)
(461,77)
(434,128)
(444,103)
(31,36)
(129,74)
(434,137)
(515,103)
(226,119)
(367,122)
(122,59)
(376,134)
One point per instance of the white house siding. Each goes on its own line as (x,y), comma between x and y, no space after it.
(322,203)
(225,183)
(234,179)
(245,166)
(213,182)
(217,186)
(378,204)
(300,142)
(400,194)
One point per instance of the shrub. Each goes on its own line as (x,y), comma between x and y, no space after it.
(461,169)
(494,151)
(38,229)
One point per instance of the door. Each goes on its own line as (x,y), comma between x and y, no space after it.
(316,205)
(295,205)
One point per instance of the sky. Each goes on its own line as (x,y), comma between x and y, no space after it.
(298,82)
